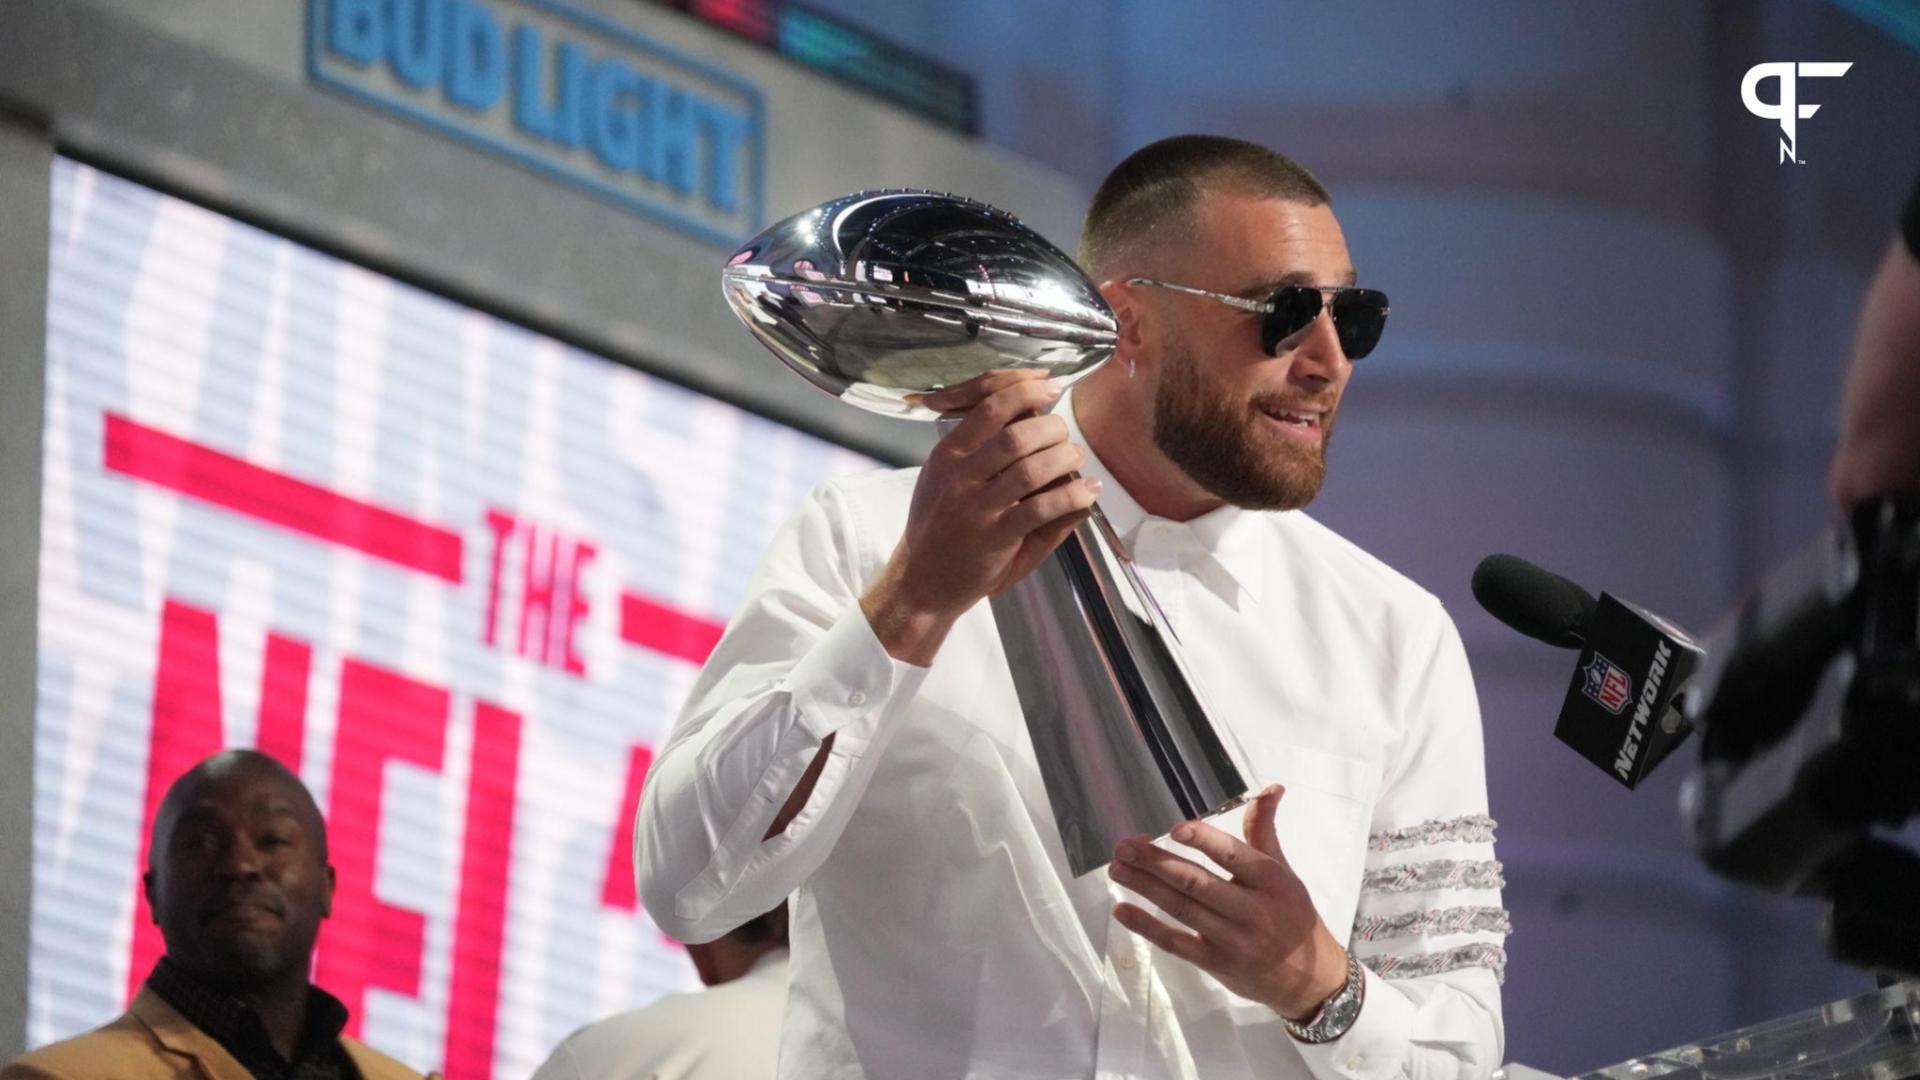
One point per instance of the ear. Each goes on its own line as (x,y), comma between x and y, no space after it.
(326,898)
(1131,319)
(1121,297)
(146,888)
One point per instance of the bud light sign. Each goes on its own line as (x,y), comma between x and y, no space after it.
(573,94)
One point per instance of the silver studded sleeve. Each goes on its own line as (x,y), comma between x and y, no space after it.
(1429,928)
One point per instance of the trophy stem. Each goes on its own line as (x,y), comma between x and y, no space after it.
(1124,743)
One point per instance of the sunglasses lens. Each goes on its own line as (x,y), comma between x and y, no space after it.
(1294,309)
(1360,315)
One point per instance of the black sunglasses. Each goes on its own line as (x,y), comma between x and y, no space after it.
(1359,315)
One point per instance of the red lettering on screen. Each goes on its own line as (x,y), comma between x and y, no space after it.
(480,926)
(552,598)
(536,605)
(537,571)
(283,700)
(500,524)
(384,716)
(213,476)
(186,728)
(653,625)
(617,889)
(583,554)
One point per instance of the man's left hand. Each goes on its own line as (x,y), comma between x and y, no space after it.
(1256,931)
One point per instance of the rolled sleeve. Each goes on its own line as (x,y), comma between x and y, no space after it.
(799,664)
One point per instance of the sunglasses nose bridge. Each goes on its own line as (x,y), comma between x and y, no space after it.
(1319,345)
(1325,314)
(1294,309)
(1327,331)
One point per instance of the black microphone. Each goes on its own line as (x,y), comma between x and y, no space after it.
(1622,710)
(1542,605)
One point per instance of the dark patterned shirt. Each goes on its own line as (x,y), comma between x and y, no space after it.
(233,1024)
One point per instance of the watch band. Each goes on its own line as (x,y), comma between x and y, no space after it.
(1337,1013)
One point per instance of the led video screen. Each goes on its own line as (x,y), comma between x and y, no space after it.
(458,575)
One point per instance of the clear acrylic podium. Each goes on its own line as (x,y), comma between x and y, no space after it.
(1872,1036)
(1875,1036)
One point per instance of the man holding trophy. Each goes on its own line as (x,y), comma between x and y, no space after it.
(938,781)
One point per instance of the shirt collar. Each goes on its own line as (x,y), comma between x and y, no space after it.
(1229,535)
(232,1023)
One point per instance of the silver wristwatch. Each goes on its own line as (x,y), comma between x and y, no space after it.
(1337,1013)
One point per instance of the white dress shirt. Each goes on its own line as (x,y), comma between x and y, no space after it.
(725,1032)
(935,928)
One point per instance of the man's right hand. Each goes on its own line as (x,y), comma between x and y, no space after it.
(993,499)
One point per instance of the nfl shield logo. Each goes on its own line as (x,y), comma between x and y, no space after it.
(1607,684)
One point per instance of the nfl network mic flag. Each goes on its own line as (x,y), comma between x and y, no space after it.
(1619,710)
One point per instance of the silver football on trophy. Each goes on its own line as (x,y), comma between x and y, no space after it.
(880,297)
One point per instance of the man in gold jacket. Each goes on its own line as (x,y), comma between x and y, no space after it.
(238,881)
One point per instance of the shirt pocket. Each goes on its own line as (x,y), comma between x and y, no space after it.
(1322,819)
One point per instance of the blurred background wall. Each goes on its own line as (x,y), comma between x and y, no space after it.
(1619,330)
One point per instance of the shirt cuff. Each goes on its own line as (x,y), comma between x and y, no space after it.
(848,676)
(1377,1044)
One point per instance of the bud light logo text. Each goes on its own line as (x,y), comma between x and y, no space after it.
(573,94)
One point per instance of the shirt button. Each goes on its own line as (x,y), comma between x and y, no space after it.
(1356,1063)
(1123,964)
(857,698)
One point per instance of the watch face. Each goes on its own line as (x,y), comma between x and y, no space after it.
(1337,1014)
(1341,1012)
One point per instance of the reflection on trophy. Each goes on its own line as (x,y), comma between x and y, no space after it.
(881,297)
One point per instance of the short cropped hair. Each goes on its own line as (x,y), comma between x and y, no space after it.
(1157,186)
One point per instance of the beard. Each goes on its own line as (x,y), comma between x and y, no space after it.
(251,959)
(242,959)
(1218,441)
(235,963)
